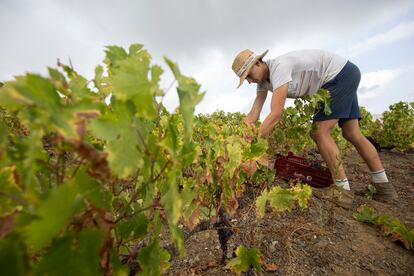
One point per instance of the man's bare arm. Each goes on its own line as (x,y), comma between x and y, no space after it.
(254,113)
(276,109)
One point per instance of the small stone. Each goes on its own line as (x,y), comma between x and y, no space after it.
(259,236)
(322,243)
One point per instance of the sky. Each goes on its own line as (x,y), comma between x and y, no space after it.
(204,36)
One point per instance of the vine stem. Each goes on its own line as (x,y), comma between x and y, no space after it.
(77,167)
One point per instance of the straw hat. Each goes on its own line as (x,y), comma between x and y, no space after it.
(243,62)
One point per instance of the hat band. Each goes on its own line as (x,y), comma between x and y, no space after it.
(245,65)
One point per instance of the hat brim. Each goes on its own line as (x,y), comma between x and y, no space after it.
(246,72)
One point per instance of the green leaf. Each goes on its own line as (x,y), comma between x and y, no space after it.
(246,258)
(99,81)
(89,188)
(13,256)
(79,87)
(9,189)
(188,153)
(153,260)
(177,237)
(54,212)
(124,137)
(124,157)
(189,96)
(67,257)
(31,89)
(130,81)
(406,234)
(156,72)
(31,150)
(37,89)
(3,132)
(261,204)
(281,199)
(63,122)
(365,214)
(106,127)
(173,204)
(134,49)
(170,142)
(173,67)
(53,215)
(56,75)
(234,154)
(114,54)
(302,194)
(392,227)
(257,148)
(135,227)
(172,199)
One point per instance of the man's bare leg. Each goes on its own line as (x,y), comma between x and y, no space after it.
(330,153)
(352,133)
(328,148)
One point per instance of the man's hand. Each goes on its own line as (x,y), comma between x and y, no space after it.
(252,134)
(249,120)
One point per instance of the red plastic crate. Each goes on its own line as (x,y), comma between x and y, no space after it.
(295,167)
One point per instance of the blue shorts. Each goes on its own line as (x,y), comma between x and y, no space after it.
(344,101)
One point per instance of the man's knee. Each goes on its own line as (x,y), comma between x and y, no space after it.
(323,130)
(319,134)
(353,137)
(314,135)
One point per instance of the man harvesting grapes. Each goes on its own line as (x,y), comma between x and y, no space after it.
(304,72)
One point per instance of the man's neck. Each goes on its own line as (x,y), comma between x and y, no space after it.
(267,73)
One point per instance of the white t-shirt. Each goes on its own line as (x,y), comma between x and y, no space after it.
(305,71)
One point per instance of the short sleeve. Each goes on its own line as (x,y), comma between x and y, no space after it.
(280,75)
